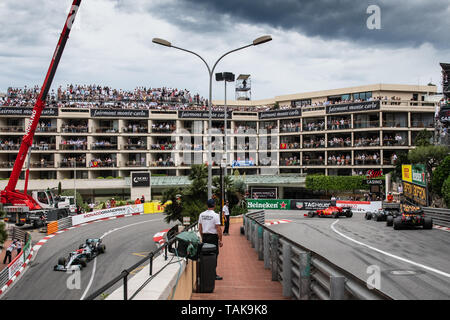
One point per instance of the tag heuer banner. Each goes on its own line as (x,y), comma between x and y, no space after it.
(310,204)
(265,204)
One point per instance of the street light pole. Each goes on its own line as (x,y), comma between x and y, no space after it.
(255,42)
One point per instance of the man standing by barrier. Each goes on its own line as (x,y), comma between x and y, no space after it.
(226,214)
(8,253)
(209,227)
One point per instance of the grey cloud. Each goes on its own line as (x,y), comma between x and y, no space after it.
(404,22)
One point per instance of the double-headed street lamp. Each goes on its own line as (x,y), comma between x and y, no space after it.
(255,42)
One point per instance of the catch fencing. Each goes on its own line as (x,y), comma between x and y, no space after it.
(304,274)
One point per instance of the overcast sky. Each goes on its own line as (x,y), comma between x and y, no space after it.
(317,44)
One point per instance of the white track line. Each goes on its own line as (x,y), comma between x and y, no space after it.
(390,254)
(95,260)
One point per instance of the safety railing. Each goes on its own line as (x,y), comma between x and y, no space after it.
(440,216)
(304,274)
(123,276)
(10,271)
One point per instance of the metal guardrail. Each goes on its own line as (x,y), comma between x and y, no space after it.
(64,223)
(440,216)
(304,274)
(125,273)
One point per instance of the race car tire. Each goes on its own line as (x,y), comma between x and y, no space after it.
(62,261)
(368,215)
(378,217)
(83,262)
(349,214)
(335,215)
(397,223)
(428,223)
(389,221)
(102,248)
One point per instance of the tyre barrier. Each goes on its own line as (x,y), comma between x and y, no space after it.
(304,274)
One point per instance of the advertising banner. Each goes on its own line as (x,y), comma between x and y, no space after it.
(415,193)
(193,114)
(280,114)
(119,113)
(107,213)
(362,206)
(18,111)
(301,204)
(268,204)
(353,107)
(140,179)
(407,172)
(264,193)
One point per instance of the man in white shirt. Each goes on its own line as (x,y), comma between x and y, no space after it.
(210,229)
(8,253)
(226,213)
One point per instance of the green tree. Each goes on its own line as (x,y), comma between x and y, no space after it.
(423,138)
(79,199)
(446,191)
(440,174)
(3,233)
(173,211)
(397,172)
(431,156)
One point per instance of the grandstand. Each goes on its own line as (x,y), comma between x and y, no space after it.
(100,134)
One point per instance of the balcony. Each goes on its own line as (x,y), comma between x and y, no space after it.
(163,147)
(313,162)
(46,129)
(133,164)
(162,163)
(74,129)
(42,164)
(9,146)
(71,164)
(103,164)
(106,130)
(72,147)
(135,129)
(44,147)
(103,146)
(7,164)
(366,124)
(12,129)
(339,162)
(395,142)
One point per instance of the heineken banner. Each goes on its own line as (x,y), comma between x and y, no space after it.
(268,204)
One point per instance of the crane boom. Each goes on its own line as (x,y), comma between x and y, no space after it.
(10,195)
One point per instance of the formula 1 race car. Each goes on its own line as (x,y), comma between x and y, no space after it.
(78,259)
(410,219)
(382,214)
(332,211)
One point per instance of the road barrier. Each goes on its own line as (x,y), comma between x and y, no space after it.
(304,274)
(440,216)
(12,271)
(52,227)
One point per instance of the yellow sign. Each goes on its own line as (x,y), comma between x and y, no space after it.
(407,172)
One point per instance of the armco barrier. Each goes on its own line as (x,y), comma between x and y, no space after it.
(12,271)
(304,274)
(440,216)
(123,276)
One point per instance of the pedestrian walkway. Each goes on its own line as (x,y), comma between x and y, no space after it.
(244,276)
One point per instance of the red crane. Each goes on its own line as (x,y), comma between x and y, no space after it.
(10,195)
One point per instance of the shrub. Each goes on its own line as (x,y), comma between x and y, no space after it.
(446,191)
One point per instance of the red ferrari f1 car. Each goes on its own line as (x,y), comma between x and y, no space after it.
(332,212)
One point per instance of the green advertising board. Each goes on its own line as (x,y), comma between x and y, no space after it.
(419,176)
(269,204)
